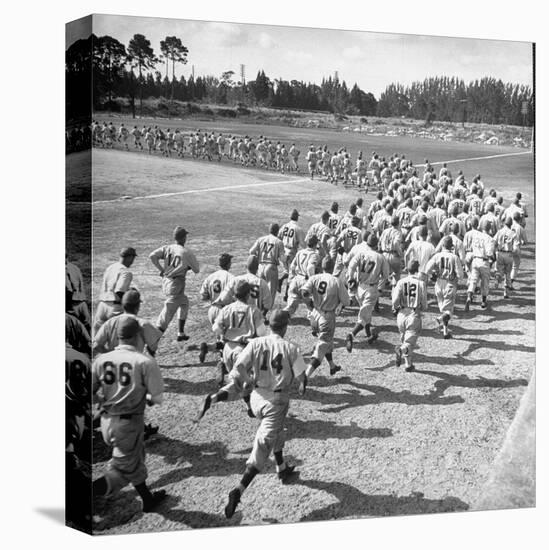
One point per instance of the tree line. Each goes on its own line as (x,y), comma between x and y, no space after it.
(132,72)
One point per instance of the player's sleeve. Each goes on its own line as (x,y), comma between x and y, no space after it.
(254,251)
(158,254)
(241,372)
(123,282)
(101,338)
(151,335)
(352,266)
(219,325)
(343,295)
(395,295)
(298,363)
(192,261)
(153,378)
(204,289)
(260,329)
(423,295)
(307,288)
(281,252)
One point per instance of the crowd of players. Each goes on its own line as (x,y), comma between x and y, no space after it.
(419,231)
(333,166)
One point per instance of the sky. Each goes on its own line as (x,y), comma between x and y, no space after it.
(372,60)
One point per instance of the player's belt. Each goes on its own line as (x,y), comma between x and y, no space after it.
(499,250)
(480,257)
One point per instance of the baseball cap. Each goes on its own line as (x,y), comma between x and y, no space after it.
(128,251)
(225,258)
(413,266)
(179,232)
(313,241)
(448,243)
(127,328)
(294,215)
(279,319)
(242,289)
(131,298)
(327,264)
(372,241)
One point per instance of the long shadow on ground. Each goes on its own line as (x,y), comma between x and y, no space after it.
(378,394)
(463,381)
(351,503)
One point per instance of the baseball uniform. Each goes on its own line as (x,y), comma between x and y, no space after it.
(270,252)
(177,261)
(117,279)
(125,377)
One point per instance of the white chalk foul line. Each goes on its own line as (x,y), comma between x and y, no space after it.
(296,180)
(206,190)
(479,158)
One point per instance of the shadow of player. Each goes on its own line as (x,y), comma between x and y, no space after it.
(354,503)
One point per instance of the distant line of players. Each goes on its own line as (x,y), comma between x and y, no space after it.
(334,166)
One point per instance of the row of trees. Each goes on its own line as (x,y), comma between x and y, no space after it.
(131,72)
(451,99)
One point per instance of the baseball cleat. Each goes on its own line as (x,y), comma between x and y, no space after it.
(181,337)
(373,337)
(156,498)
(448,336)
(398,356)
(234,499)
(206,404)
(149,431)
(302,386)
(287,474)
(349,342)
(335,369)
(484,305)
(439,321)
(411,368)
(203,352)
(505,295)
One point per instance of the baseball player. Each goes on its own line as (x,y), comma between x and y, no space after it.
(260,294)
(347,239)
(369,268)
(311,160)
(117,279)
(123,135)
(177,260)
(75,283)
(329,297)
(136,133)
(322,232)
(409,299)
(124,381)
(506,242)
(269,365)
(76,333)
(520,232)
(303,266)
(293,238)
(236,324)
(270,252)
(390,243)
(483,255)
(422,251)
(334,219)
(211,289)
(106,338)
(449,270)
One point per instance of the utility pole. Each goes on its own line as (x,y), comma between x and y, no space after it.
(193,71)
(243,74)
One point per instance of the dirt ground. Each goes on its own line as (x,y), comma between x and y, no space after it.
(370,441)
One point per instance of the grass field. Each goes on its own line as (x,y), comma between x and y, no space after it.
(372,441)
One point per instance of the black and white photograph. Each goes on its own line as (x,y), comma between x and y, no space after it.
(300,274)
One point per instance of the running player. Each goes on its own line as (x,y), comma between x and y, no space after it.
(409,299)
